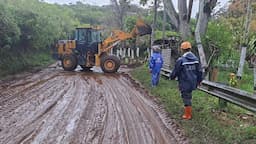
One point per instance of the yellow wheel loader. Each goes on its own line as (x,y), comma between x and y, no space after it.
(88,50)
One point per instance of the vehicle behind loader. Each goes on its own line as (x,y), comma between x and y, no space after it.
(88,50)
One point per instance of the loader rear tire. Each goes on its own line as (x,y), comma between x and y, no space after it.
(69,62)
(110,64)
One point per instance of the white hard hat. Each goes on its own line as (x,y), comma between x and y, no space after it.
(156,48)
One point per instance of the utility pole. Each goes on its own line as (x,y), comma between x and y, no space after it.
(244,39)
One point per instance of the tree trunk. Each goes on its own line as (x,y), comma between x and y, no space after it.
(190,5)
(184,28)
(207,7)
(119,11)
(171,12)
(180,21)
(198,36)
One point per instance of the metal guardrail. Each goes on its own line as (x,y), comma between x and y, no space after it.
(230,94)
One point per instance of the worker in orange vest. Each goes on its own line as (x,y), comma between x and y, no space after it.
(188,71)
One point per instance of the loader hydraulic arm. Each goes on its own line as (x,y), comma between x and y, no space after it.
(117,36)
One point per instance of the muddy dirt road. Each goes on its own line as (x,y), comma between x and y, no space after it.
(57,107)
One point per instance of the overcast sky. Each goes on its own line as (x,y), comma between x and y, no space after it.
(106,2)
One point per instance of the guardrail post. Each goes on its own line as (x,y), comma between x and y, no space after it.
(214,77)
(222,104)
(214,74)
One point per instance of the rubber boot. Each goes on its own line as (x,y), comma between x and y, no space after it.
(187,113)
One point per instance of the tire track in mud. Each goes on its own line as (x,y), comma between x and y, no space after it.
(59,107)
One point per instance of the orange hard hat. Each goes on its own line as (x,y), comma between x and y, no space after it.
(185,45)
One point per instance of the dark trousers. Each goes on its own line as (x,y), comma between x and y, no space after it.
(155,78)
(187,98)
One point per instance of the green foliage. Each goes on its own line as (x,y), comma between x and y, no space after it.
(130,22)
(38,24)
(42,24)
(219,38)
(252,46)
(237,27)
(93,15)
(159,34)
(9,30)
(159,22)
(193,24)
(208,125)
(251,50)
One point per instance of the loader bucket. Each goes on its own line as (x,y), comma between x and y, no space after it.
(142,28)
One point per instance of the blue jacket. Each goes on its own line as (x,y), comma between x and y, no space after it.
(156,62)
(188,70)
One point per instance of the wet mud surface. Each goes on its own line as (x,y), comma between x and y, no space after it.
(53,106)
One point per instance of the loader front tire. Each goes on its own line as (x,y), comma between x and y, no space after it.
(69,62)
(110,64)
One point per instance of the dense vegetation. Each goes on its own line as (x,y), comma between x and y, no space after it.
(28,31)
(225,32)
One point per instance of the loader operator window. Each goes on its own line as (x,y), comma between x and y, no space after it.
(96,36)
(88,35)
(81,35)
(93,36)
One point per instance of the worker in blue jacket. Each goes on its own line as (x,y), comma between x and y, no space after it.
(188,71)
(155,65)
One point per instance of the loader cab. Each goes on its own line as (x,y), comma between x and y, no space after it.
(87,37)
(87,40)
